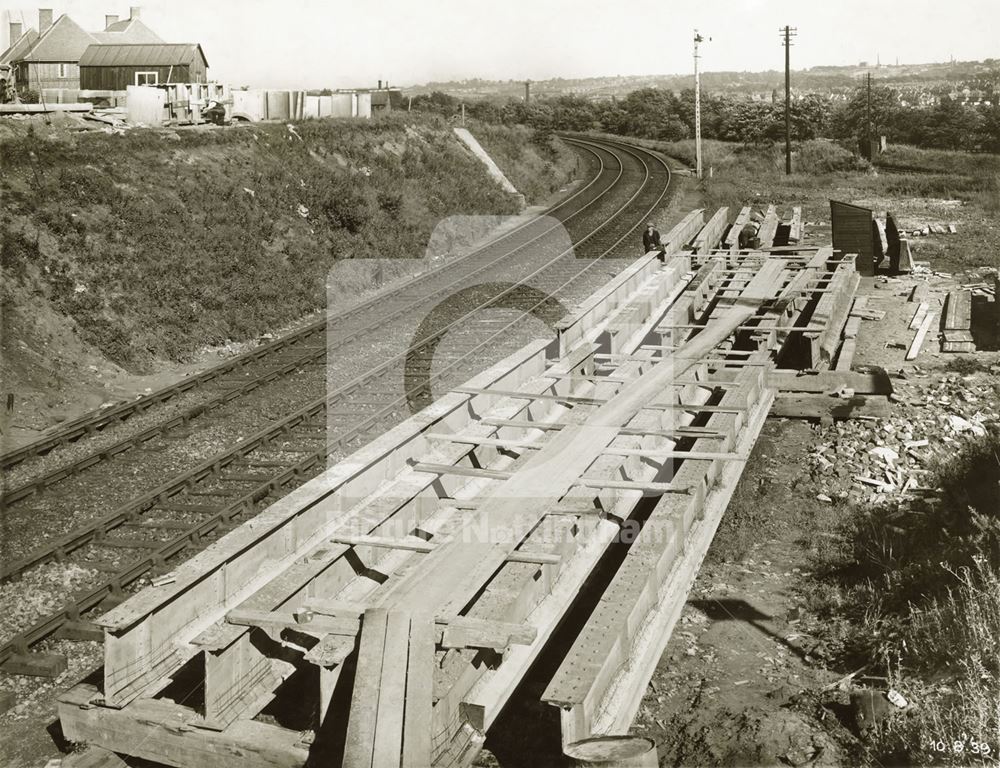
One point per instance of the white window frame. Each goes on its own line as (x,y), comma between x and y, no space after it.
(63,70)
(155,75)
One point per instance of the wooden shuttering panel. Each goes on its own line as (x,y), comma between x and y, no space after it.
(852,233)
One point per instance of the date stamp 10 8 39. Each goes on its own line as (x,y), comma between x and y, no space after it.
(964,745)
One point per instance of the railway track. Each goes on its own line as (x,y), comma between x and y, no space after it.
(203,501)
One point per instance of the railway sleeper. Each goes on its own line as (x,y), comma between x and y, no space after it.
(80,630)
(241,478)
(197,509)
(127,543)
(165,525)
(102,566)
(38,664)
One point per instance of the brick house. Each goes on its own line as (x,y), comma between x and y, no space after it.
(49,58)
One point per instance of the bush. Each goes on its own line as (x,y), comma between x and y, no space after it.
(819,156)
(16,253)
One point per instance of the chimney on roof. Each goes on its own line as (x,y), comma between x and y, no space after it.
(380,85)
(44,19)
(109,19)
(15,31)
(134,11)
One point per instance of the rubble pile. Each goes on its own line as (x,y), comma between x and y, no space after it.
(876,461)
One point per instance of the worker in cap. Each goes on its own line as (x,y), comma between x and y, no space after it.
(651,239)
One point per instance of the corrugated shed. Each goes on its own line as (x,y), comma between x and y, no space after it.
(142,55)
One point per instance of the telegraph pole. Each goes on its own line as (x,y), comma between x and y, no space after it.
(789,33)
(697,105)
(868,120)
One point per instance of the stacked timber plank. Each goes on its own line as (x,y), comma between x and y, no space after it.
(405,593)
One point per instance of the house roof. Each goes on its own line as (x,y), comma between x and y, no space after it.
(65,40)
(18,47)
(142,55)
(128,32)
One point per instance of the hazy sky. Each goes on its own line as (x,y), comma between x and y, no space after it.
(311,44)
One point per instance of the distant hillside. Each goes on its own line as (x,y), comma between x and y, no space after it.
(984,75)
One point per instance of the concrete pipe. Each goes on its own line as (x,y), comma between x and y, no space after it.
(613,752)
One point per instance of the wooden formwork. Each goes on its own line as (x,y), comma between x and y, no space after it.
(768,228)
(831,312)
(732,239)
(600,684)
(404,594)
(711,234)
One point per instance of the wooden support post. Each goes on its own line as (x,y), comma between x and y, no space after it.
(419,688)
(359,747)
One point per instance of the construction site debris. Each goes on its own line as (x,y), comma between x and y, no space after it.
(874,463)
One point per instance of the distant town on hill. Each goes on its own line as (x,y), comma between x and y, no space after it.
(971,82)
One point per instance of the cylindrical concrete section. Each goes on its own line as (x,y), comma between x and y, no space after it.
(613,752)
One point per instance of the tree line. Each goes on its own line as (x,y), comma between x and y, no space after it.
(652,113)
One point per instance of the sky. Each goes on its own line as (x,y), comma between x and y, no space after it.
(342,44)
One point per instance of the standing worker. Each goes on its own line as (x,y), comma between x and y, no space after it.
(651,240)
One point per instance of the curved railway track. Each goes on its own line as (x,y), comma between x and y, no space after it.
(206,500)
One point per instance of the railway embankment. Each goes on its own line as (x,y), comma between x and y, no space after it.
(131,260)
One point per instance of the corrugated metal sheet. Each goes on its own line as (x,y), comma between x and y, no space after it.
(141,55)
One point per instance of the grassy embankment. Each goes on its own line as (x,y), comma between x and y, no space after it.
(156,243)
(910,592)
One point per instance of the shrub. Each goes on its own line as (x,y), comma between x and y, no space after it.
(16,252)
(818,156)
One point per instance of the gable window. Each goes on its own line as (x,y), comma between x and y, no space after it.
(147,78)
(64,70)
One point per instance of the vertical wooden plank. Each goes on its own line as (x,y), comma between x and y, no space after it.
(360,740)
(419,689)
(392,692)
